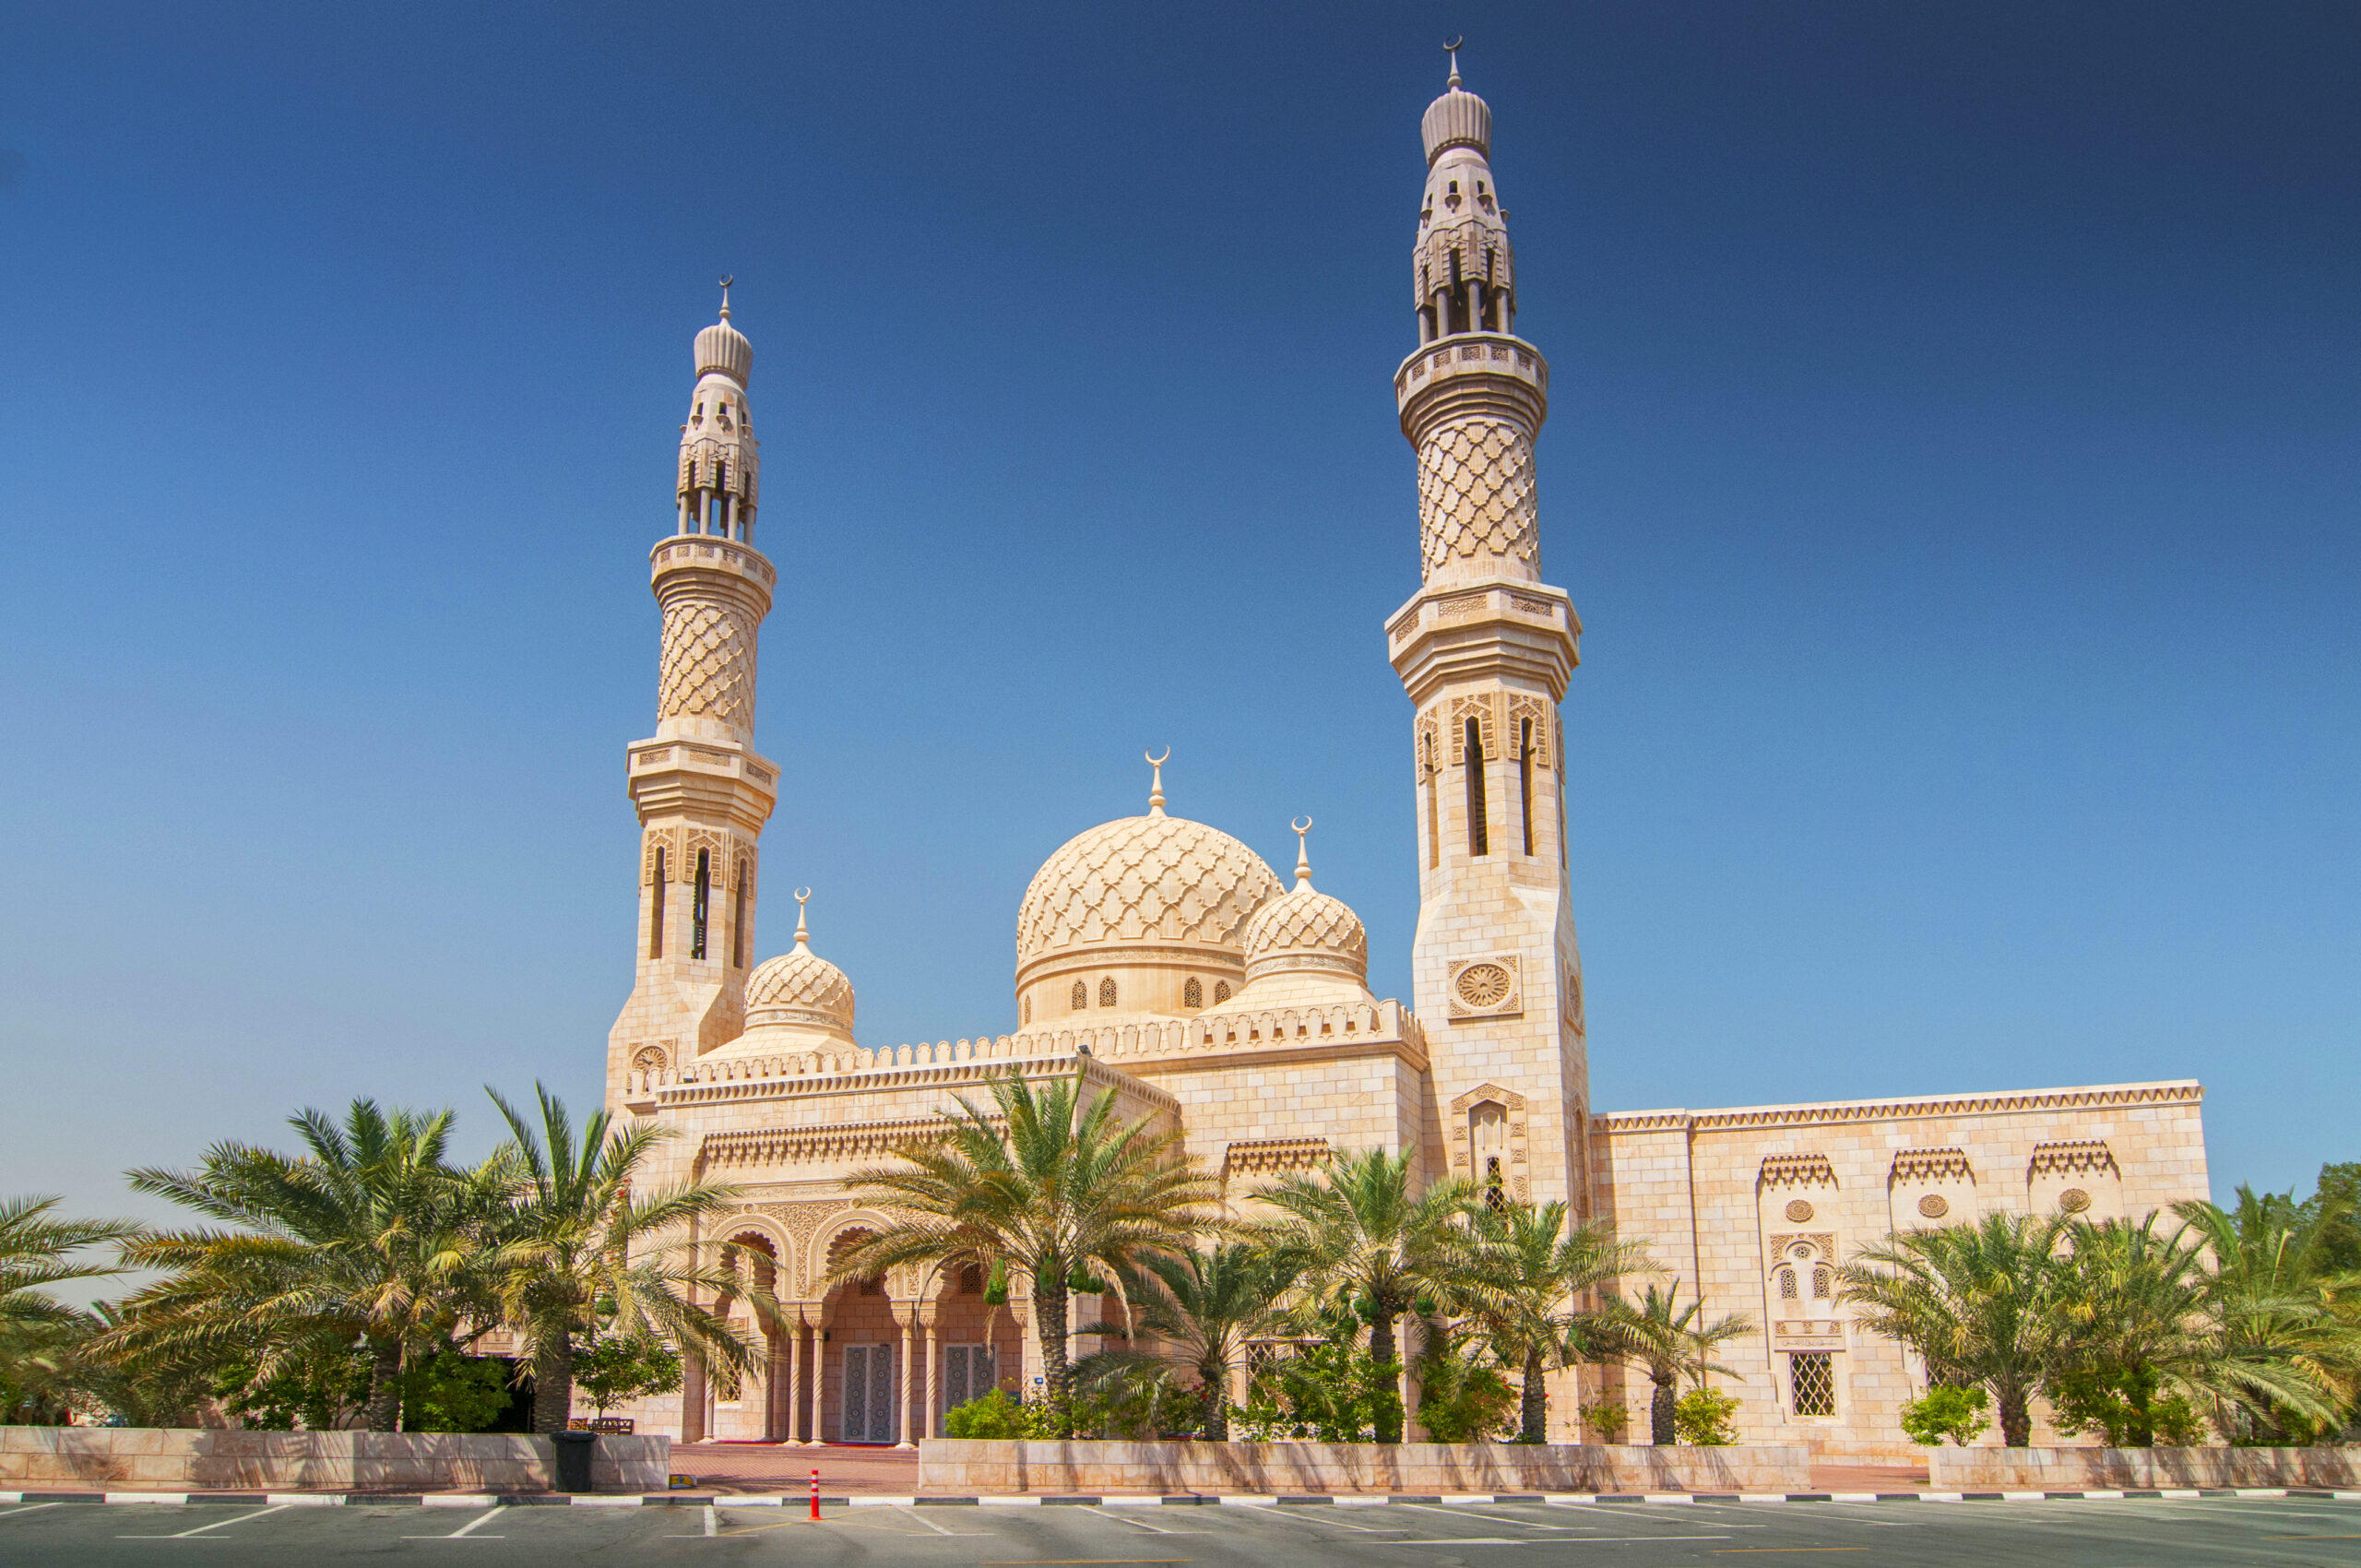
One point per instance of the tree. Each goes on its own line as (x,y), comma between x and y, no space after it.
(2278,1296)
(621,1367)
(1358,1235)
(1462,1395)
(1520,1275)
(1668,1340)
(2147,1322)
(1978,1302)
(369,1238)
(44,1340)
(1057,1192)
(1204,1307)
(581,1254)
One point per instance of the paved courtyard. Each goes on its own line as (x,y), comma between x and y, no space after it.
(2144,1532)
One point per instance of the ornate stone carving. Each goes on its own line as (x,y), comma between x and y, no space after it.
(1486,986)
(708,663)
(1268,1157)
(1932,1165)
(2073,1200)
(2078,1156)
(1797,1171)
(1475,495)
(1509,1102)
(1798,1212)
(1934,1206)
(1480,708)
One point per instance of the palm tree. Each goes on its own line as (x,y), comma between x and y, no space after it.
(580,1253)
(369,1238)
(41,1337)
(2277,1296)
(1205,1308)
(1358,1236)
(1051,1189)
(1667,1339)
(1520,1280)
(1978,1302)
(2144,1315)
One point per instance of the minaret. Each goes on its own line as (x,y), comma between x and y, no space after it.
(1485,650)
(702,791)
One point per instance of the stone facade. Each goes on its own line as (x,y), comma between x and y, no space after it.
(1166,962)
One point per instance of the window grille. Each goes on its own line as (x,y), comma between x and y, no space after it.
(1819,1283)
(1081,996)
(971,1280)
(1193,994)
(1787,1285)
(1811,1382)
(1106,993)
(1495,1196)
(1221,991)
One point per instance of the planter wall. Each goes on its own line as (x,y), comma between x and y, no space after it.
(969,1464)
(172,1459)
(2076,1469)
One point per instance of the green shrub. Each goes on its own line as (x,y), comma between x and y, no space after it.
(1946,1414)
(623,1367)
(1608,1417)
(994,1415)
(1462,1400)
(449,1392)
(2125,1408)
(1703,1418)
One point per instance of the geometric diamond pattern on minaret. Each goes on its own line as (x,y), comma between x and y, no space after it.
(702,791)
(1485,650)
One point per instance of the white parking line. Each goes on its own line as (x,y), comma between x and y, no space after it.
(467,1531)
(1143,1524)
(938,1529)
(712,1520)
(216,1524)
(1489,1518)
(30,1508)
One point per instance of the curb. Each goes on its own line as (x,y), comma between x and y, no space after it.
(1036,1500)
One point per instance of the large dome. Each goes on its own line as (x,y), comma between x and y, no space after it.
(1153,880)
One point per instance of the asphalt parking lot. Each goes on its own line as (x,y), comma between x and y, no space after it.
(2140,1533)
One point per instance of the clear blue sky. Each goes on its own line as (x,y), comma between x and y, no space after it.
(1955,458)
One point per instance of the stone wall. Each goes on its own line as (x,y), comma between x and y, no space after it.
(964,1465)
(2078,1469)
(172,1459)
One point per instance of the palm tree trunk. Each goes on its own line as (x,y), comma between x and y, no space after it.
(1661,1431)
(1049,1311)
(553,1383)
(1385,1400)
(1536,1425)
(383,1412)
(2016,1418)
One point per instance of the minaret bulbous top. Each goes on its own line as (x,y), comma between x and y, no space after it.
(1458,118)
(720,470)
(722,349)
(1463,271)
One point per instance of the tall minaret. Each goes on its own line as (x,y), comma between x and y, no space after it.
(1485,650)
(702,791)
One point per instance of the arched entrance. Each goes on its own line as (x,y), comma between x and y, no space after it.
(863,1371)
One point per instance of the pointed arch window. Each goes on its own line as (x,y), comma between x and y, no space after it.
(1434,808)
(1107,993)
(655,909)
(1524,778)
(698,910)
(1221,992)
(1081,996)
(1472,744)
(1193,994)
(738,918)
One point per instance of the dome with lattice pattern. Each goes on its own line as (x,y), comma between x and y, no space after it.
(798,990)
(1153,881)
(1306,930)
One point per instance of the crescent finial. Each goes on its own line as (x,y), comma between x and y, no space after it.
(1451,46)
(733,278)
(802,932)
(1302,851)
(1156,790)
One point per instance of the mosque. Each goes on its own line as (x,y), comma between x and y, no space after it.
(1165,961)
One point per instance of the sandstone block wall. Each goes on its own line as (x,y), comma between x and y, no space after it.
(172,1459)
(966,1464)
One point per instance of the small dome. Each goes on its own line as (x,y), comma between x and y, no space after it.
(1306,930)
(1153,881)
(798,990)
(1458,119)
(723,347)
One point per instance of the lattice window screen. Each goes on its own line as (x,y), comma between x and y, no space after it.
(1811,1380)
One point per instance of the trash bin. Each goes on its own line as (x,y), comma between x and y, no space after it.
(574,1451)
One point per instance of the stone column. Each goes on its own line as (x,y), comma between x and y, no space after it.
(902,1378)
(792,1388)
(933,1426)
